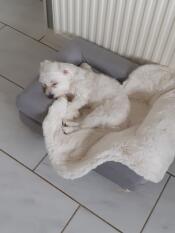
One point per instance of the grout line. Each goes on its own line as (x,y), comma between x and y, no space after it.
(41,38)
(23,33)
(102,219)
(39,162)
(18,31)
(48,46)
(155,204)
(10,156)
(171,174)
(16,84)
(54,186)
(56,50)
(70,219)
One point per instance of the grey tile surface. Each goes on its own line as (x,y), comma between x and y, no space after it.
(20,56)
(127,211)
(16,138)
(1,25)
(25,15)
(56,41)
(162,219)
(28,204)
(86,222)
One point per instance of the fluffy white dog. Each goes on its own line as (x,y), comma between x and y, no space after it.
(86,88)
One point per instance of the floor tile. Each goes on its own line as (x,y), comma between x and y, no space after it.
(56,41)
(20,56)
(172,168)
(29,204)
(24,15)
(1,25)
(162,219)
(16,138)
(86,222)
(126,211)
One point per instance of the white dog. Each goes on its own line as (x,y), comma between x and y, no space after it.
(85,87)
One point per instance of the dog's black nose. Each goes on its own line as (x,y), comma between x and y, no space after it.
(50,96)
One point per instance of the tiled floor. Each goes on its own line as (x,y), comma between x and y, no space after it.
(32,197)
(24,15)
(1,25)
(29,204)
(20,56)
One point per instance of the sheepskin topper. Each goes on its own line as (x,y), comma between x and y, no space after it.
(145,143)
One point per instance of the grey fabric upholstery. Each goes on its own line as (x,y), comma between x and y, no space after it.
(33,104)
(112,64)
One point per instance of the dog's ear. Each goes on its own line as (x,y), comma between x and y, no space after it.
(68,69)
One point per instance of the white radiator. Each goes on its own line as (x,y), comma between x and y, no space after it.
(140,29)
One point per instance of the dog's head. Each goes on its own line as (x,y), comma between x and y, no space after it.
(55,78)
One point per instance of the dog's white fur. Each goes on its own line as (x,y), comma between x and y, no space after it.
(102,93)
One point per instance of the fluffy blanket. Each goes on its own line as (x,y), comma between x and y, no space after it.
(146,143)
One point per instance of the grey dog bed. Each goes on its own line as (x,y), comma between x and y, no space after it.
(33,104)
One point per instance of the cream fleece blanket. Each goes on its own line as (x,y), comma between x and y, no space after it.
(146,144)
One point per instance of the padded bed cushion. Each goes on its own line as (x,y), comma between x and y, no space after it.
(33,104)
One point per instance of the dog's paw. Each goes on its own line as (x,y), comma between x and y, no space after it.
(69,126)
(68,130)
(68,123)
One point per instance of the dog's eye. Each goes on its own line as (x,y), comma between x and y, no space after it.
(54,84)
(44,86)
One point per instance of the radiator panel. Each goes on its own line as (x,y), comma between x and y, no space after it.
(139,29)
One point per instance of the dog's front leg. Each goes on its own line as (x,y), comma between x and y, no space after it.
(69,125)
(107,115)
